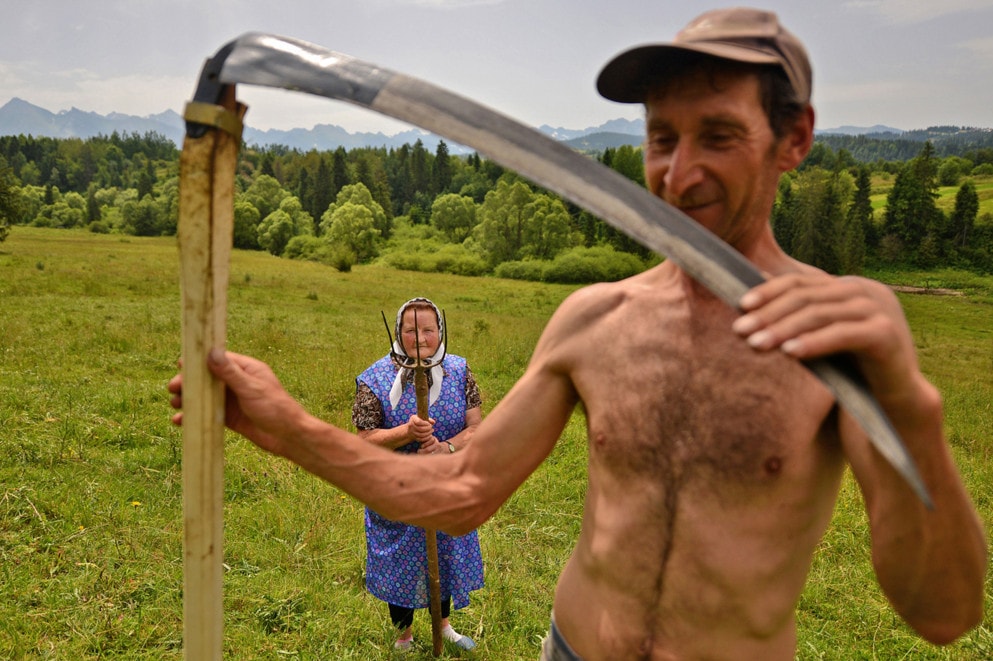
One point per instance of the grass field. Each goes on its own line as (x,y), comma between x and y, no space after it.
(90,467)
(883,184)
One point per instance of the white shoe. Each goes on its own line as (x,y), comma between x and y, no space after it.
(460,641)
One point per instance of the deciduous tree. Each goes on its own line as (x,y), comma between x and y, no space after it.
(9,199)
(454,216)
(359,195)
(352,226)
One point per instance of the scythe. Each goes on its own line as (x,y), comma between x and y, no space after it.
(206,190)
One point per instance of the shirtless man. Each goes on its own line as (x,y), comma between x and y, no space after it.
(714,457)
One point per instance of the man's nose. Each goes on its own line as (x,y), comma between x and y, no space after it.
(684,171)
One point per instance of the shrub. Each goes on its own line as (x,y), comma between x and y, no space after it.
(597,264)
(457,260)
(428,255)
(303,246)
(340,257)
(316,249)
(531,269)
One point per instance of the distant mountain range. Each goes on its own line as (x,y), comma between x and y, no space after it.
(19,117)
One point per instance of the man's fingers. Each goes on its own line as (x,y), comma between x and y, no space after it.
(226,369)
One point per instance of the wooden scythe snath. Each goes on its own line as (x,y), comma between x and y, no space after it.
(206,219)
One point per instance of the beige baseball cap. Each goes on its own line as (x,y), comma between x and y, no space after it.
(740,34)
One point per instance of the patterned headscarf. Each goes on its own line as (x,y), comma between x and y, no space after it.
(437,373)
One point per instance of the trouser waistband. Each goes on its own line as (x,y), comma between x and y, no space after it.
(555,647)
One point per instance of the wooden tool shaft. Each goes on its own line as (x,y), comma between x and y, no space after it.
(206,203)
(431,537)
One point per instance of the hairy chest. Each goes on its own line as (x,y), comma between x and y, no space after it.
(677,395)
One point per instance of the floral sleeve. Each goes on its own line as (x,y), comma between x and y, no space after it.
(472,397)
(367,411)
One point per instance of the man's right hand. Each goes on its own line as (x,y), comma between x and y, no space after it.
(256,404)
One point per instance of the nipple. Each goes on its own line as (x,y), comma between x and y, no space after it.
(773,465)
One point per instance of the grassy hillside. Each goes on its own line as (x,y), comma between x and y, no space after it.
(883,183)
(90,468)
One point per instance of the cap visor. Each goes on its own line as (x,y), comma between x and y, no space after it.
(626,77)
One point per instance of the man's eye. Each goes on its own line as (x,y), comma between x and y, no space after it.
(718,138)
(661,142)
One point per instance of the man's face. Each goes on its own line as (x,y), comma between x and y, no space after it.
(425,331)
(711,153)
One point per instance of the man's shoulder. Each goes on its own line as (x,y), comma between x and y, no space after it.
(595,308)
(597,299)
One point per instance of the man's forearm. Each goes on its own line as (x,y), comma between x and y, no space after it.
(930,563)
(415,489)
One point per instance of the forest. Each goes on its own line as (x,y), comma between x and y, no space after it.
(844,209)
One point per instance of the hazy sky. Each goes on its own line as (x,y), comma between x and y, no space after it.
(904,63)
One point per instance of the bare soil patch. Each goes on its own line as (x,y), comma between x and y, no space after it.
(930,291)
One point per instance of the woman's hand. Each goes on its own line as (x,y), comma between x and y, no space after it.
(419,429)
(422,431)
(433,446)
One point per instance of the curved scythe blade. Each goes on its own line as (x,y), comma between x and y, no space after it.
(274,61)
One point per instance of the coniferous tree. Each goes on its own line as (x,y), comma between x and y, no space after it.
(339,174)
(267,166)
(827,227)
(442,169)
(321,188)
(851,255)
(630,162)
(401,185)
(607,158)
(911,212)
(784,215)
(305,191)
(861,208)
(817,221)
(92,207)
(420,169)
(964,215)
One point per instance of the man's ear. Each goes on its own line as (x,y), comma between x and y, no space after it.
(796,144)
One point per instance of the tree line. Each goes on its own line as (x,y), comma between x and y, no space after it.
(417,209)
(881,149)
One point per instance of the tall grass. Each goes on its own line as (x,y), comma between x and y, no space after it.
(90,468)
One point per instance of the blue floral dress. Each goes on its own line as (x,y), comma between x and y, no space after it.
(396,560)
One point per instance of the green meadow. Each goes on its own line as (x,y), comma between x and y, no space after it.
(945,200)
(90,465)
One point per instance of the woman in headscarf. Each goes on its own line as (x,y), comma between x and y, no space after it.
(385,413)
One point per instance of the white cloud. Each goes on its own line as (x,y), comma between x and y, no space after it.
(917,11)
(872,91)
(981,49)
(442,4)
(131,94)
